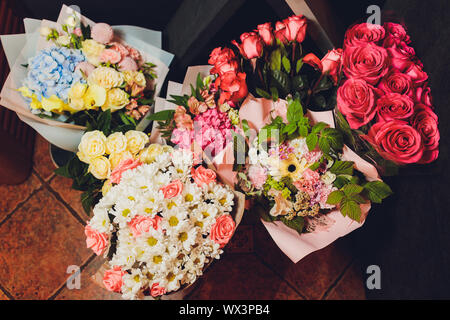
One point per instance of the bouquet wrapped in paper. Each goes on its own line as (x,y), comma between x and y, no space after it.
(75,75)
(310,188)
(161,223)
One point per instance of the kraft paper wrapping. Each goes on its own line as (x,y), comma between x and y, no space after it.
(20,47)
(257,112)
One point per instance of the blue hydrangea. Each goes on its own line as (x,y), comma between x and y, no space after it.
(52,72)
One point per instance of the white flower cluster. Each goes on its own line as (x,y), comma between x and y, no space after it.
(174,251)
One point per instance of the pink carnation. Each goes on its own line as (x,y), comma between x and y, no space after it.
(102,32)
(128,64)
(258,176)
(110,55)
(119,48)
(124,165)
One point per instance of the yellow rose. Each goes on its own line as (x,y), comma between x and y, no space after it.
(148,155)
(94,97)
(106,187)
(116,158)
(92,50)
(137,77)
(116,143)
(92,145)
(106,77)
(136,141)
(100,168)
(116,99)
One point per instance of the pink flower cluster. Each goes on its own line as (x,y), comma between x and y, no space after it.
(386,89)
(317,190)
(211,130)
(283,151)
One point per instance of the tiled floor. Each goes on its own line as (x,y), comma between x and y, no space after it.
(41,234)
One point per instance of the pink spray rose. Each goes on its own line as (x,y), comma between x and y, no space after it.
(143,224)
(172,189)
(123,166)
(156,290)
(95,240)
(202,175)
(112,279)
(222,230)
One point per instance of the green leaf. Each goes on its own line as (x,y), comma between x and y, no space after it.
(275,60)
(358,198)
(296,223)
(352,189)
(377,191)
(262,93)
(274,92)
(299,65)
(63,172)
(199,81)
(286,64)
(104,122)
(303,130)
(85,31)
(334,138)
(294,111)
(335,197)
(324,145)
(351,209)
(245,127)
(290,128)
(340,182)
(311,141)
(319,126)
(161,115)
(282,81)
(342,167)
(87,201)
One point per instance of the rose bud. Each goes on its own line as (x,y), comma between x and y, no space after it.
(251,45)
(280,31)
(423,95)
(295,28)
(331,64)
(313,61)
(265,32)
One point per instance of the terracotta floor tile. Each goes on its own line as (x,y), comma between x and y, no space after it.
(13,195)
(88,289)
(39,241)
(63,186)
(242,277)
(3,296)
(312,275)
(42,161)
(351,286)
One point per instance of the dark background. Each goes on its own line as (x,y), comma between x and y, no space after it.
(408,235)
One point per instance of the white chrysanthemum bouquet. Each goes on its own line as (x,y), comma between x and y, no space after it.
(161,225)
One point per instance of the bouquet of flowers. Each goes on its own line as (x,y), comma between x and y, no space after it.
(161,224)
(297,170)
(276,66)
(384,104)
(76,75)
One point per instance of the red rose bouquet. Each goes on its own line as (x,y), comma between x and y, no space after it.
(384,103)
(270,63)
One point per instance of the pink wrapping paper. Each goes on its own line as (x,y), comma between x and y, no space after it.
(257,112)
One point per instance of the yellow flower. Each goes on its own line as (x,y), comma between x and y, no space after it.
(35,103)
(136,141)
(106,187)
(116,158)
(94,97)
(92,145)
(116,143)
(148,155)
(92,50)
(75,97)
(116,99)
(106,77)
(100,168)
(137,77)
(53,104)
(292,168)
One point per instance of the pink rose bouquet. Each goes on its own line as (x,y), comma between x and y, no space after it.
(161,225)
(384,105)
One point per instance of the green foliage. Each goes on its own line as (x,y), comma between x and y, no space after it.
(296,223)
(342,167)
(376,191)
